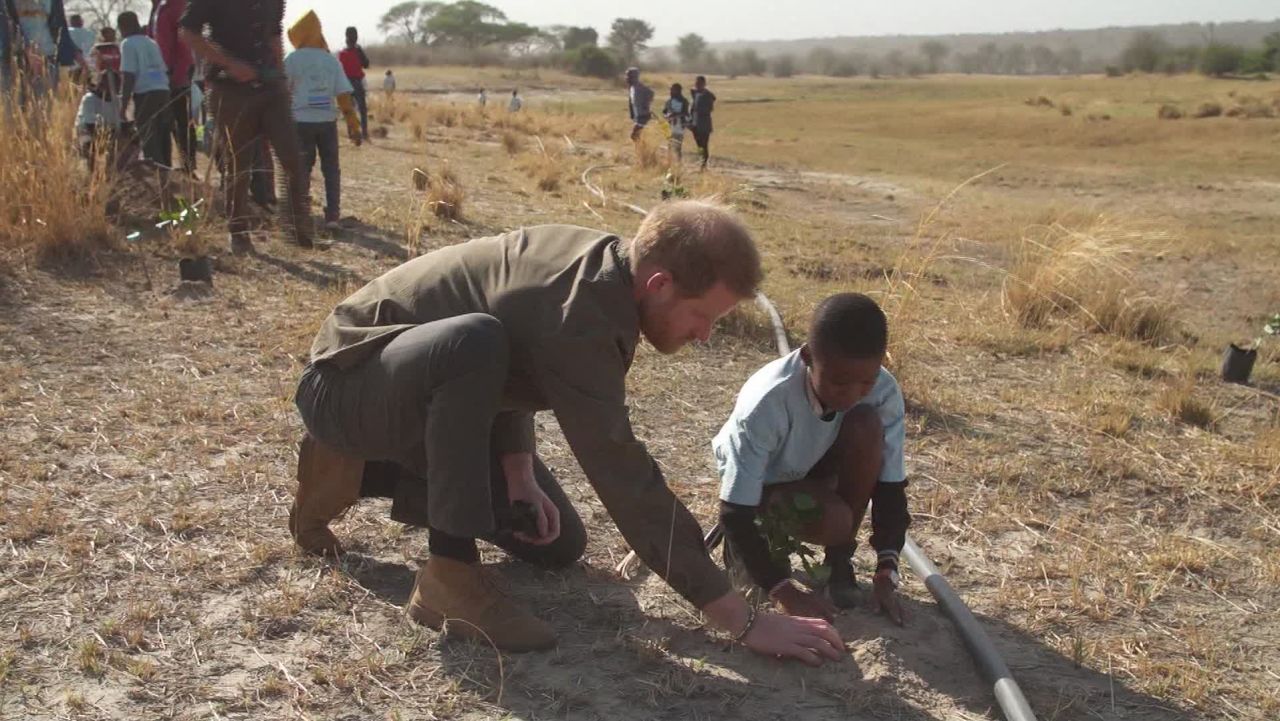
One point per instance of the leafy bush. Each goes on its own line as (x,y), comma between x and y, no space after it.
(593,62)
(1221,59)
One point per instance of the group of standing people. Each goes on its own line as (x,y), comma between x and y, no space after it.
(679,112)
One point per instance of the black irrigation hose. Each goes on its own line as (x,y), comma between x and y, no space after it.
(992,666)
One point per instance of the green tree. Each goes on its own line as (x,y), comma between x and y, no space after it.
(690,49)
(594,62)
(934,52)
(573,38)
(403,20)
(744,62)
(1014,59)
(1044,61)
(782,66)
(1221,59)
(1144,52)
(467,23)
(1072,59)
(1271,49)
(630,37)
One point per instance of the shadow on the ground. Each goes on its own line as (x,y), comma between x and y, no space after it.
(615,660)
(315,272)
(371,238)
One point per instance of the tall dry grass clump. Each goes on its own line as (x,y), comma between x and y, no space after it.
(1089,276)
(51,203)
(445,194)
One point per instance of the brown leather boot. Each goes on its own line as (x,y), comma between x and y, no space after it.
(474,607)
(328,484)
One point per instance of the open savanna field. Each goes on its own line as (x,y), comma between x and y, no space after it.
(1062,271)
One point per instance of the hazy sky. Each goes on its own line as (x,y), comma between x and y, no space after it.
(722,20)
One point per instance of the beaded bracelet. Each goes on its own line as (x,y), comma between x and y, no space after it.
(751,622)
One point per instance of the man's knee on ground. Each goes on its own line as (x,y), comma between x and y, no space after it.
(482,337)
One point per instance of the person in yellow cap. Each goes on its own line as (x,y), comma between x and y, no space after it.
(320,90)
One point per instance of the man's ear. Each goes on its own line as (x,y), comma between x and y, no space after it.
(657,282)
(806,355)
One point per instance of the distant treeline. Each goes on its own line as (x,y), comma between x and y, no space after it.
(473,33)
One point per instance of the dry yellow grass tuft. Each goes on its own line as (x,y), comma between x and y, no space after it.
(1179,401)
(445,194)
(52,204)
(1088,275)
(512,142)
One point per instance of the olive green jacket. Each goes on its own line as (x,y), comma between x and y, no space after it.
(566,298)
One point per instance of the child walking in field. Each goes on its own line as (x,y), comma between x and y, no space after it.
(815,436)
(320,91)
(676,111)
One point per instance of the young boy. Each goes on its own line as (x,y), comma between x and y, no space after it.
(354,63)
(97,120)
(823,424)
(389,84)
(316,79)
(146,82)
(676,111)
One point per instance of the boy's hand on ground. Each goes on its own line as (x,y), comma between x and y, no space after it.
(884,598)
(810,640)
(797,601)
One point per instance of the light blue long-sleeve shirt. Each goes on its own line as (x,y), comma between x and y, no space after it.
(776,435)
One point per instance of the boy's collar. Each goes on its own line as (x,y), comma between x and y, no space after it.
(814,402)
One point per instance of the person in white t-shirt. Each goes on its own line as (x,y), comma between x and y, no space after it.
(516,103)
(146,82)
(389,84)
(320,89)
(98,119)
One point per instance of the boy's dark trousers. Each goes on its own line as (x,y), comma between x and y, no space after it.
(322,139)
(703,139)
(242,114)
(362,105)
(152,110)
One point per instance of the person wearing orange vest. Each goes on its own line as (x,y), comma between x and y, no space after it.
(354,63)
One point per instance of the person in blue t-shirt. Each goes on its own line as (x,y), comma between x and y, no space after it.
(146,82)
(320,89)
(819,431)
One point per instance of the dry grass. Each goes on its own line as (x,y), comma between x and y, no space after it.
(1088,275)
(445,194)
(53,206)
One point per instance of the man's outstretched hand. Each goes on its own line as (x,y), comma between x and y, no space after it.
(811,640)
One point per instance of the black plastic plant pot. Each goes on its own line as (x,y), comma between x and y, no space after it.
(196,269)
(1237,364)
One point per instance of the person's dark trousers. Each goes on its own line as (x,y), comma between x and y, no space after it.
(362,105)
(703,139)
(184,133)
(242,113)
(322,139)
(421,413)
(152,111)
(262,175)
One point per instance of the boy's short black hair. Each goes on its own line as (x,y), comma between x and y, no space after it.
(850,325)
(128,20)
